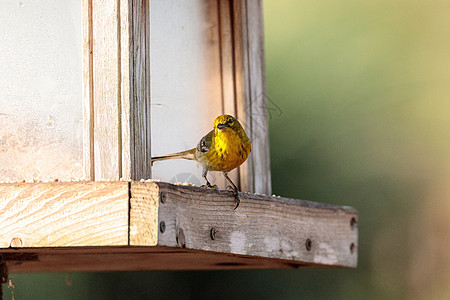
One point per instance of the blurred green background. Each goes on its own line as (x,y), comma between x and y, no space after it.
(363,89)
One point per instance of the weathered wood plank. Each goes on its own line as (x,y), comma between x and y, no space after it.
(227,57)
(88,92)
(259,110)
(250,92)
(106,93)
(242,99)
(63,214)
(156,225)
(125,87)
(144,205)
(116,89)
(108,258)
(139,48)
(262,226)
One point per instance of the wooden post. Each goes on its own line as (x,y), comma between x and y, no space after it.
(116,89)
(251,99)
(79,226)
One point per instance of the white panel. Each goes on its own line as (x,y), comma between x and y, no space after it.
(185,83)
(40,84)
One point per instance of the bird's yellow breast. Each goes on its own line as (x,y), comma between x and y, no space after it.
(229,150)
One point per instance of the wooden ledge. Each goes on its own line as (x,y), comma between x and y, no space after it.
(98,226)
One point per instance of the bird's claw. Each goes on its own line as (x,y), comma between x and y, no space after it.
(237,201)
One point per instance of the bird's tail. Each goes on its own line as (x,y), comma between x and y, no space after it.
(188,154)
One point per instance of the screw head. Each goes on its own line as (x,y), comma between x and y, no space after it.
(353,222)
(162,196)
(308,244)
(162,226)
(212,233)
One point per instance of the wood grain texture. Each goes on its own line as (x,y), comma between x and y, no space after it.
(116,89)
(144,205)
(88,92)
(126,125)
(156,226)
(242,100)
(262,226)
(140,134)
(109,258)
(259,109)
(227,57)
(106,93)
(250,91)
(64,214)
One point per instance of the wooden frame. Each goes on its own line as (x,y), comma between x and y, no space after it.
(116,87)
(98,226)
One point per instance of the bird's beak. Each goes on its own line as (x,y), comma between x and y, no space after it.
(222,126)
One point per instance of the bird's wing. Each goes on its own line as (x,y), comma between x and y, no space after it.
(205,143)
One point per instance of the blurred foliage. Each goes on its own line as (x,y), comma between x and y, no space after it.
(363,88)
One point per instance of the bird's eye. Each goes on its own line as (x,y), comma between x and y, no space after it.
(230,121)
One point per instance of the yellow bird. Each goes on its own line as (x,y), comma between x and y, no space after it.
(224,148)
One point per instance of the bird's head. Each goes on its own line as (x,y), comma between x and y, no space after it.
(224,122)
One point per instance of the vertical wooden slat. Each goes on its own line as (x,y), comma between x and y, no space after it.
(140,90)
(227,57)
(116,67)
(250,91)
(106,96)
(259,116)
(227,68)
(146,163)
(88,92)
(243,104)
(119,89)
(125,88)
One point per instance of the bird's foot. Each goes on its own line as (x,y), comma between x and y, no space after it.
(209,186)
(234,189)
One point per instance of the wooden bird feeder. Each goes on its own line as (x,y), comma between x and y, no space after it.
(148,77)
